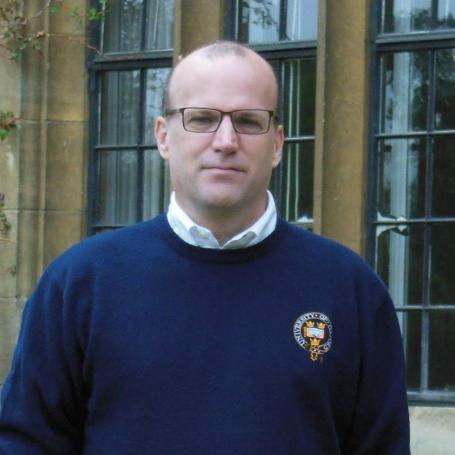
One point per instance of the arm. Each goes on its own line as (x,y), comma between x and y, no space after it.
(42,400)
(381,422)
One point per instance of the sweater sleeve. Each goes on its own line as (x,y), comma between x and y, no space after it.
(381,421)
(42,408)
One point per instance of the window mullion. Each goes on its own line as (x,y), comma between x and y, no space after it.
(425,342)
(426,336)
(283,20)
(434,14)
(140,170)
(145,15)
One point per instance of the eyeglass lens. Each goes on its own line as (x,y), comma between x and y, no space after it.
(248,121)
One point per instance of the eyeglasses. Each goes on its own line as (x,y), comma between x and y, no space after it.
(205,120)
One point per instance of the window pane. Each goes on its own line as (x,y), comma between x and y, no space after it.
(446,13)
(160,24)
(123,26)
(404,16)
(445,89)
(401,178)
(411,331)
(117,187)
(270,21)
(442,285)
(299,96)
(302,20)
(442,346)
(293,182)
(154,88)
(260,21)
(399,256)
(120,95)
(443,197)
(156,184)
(404,91)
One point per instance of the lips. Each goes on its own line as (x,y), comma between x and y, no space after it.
(222,168)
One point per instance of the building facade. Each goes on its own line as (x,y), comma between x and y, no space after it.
(367,102)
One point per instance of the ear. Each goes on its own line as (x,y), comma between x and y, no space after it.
(161,137)
(278,145)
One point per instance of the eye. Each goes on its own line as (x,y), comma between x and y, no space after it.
(249,121)
(201,117)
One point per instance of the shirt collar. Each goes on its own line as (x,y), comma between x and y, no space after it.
(197,235)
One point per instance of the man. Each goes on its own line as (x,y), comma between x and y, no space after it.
(216,329)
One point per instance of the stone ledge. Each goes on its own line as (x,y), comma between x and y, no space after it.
(432,430)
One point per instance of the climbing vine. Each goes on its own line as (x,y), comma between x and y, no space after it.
(18,34)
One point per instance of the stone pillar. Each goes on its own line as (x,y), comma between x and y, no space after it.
(197,22)
(9,185)
(341,145)
(43,163)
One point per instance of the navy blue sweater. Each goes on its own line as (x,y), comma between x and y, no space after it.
(136,343)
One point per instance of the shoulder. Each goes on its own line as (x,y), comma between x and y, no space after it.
(326,256)
(105,250)
(307,243)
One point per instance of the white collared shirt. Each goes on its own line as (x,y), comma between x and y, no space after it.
(197,235)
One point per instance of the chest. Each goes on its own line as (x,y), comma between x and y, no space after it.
(211,330)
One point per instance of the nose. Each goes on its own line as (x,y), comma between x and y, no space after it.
(225,139)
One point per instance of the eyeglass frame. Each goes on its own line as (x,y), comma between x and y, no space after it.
(181,110)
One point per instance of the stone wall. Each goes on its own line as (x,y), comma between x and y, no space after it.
(43,162)
(9,185)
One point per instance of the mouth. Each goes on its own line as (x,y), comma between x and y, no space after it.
(225,169)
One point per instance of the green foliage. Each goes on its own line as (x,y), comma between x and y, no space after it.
(56,8)
(5,226)
(13,28)
(15,36)
(7,123)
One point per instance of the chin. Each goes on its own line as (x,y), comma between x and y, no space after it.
(221,202)
(221,199)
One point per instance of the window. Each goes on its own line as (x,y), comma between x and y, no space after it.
(128,179)
(413,220)
(285,32)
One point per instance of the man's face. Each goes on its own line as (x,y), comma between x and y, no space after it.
(224,170)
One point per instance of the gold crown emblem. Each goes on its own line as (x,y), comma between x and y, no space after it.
(309,323)
(321,325)
(314,342)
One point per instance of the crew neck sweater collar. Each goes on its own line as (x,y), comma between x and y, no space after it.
(196,235)
(224,256)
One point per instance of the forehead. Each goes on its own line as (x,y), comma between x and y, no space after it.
(225,82)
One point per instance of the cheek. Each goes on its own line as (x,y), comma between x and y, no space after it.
(183,162)
(187,146)
(263,157)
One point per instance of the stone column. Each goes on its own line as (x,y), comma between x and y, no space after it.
(43,163)
(9,186)
(197,22)
(341,146)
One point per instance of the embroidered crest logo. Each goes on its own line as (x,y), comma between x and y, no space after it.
(313,332)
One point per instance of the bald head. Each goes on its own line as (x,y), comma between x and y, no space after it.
(214,52)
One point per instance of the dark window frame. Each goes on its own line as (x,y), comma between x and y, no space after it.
(97,65)
(381,44)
